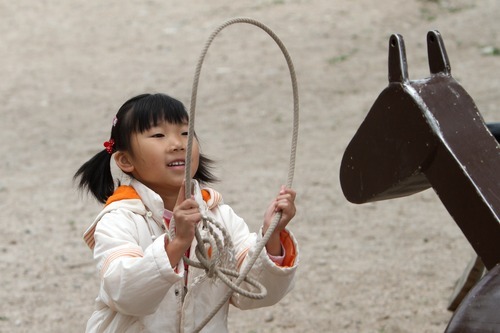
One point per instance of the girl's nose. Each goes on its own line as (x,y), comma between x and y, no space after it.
(177,144)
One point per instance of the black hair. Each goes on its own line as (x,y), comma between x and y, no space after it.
(136,115)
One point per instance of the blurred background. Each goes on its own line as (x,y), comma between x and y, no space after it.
(67,66)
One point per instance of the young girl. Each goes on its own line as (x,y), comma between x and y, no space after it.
(139,176)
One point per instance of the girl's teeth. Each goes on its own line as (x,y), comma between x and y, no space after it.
(176,164)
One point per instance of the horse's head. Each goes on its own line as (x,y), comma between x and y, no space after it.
(428,133)
(394,143)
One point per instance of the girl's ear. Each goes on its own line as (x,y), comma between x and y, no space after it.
(123,161)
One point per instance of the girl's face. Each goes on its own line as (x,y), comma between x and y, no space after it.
(158,157)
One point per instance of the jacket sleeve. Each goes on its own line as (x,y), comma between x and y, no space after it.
(278,280)
(133,281)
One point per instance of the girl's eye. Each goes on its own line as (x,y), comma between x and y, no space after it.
(157,135)
(184,133)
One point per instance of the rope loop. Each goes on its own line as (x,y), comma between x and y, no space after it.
(219,249)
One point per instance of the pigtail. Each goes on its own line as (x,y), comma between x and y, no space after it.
(95,176)
(204,172)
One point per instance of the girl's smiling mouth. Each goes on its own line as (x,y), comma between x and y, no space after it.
(176,163)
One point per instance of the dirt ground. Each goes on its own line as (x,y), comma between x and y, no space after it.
(67,66)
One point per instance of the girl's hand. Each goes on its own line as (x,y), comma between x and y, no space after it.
(186,215)
(284,203)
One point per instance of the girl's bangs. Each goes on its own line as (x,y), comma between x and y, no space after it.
(154,109)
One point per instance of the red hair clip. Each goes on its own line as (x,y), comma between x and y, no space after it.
(109,146)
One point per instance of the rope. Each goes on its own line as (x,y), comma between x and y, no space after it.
(204,261)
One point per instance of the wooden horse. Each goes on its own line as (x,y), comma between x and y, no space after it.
(429,133)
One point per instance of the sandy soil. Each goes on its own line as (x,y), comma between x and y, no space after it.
(68,65)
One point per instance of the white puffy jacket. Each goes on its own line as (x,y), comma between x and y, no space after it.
(141,292)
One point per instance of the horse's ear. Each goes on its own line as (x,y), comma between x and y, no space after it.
(398,68)
(436,52)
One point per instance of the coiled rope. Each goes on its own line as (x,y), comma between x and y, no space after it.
(209,263)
